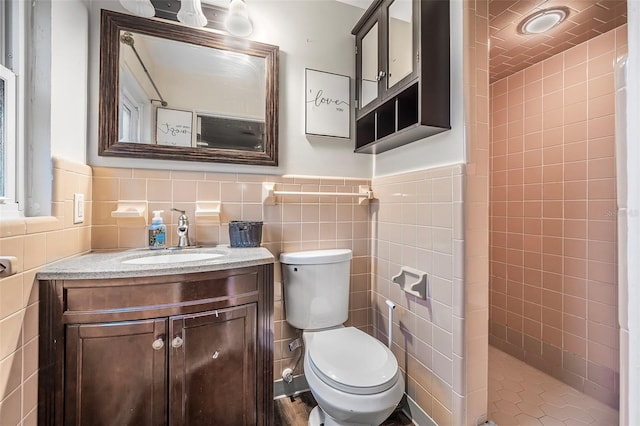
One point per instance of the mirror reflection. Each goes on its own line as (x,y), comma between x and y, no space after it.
(400,41)
(369,80)
(173,92)
(189,95)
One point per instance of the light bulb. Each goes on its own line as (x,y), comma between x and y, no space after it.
(142,8)
(191,13)
(237,21)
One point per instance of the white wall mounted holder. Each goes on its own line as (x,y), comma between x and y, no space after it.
(269,193)
(391,306)
(208,212)
(130,213)
(8,266)
(413,282)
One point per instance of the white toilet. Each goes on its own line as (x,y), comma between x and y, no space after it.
(354,377)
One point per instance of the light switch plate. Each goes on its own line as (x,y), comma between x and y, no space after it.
(78,208)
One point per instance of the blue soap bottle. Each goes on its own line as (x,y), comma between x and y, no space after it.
(157,232)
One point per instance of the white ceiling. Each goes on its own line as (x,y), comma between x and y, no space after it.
(190,58)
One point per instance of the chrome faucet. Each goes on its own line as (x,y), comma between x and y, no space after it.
(183,229)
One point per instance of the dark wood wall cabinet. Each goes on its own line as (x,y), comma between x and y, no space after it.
(402,73)
(188,349)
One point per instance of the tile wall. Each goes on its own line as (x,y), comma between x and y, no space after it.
(417,222)
(294,223)
(35,242)
(553,291)
(476,211)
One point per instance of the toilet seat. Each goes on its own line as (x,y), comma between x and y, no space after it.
(352,361)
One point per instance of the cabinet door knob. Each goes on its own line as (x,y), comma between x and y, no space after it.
(158,344)
(381,75)
(177,342)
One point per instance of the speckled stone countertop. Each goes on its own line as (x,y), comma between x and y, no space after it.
(111,264)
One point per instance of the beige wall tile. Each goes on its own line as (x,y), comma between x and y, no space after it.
(159,190)
(11,300)
(42,240)
(62,186)
(10,408)
(29,397)
(252,212)
(252,192)
(184,191)
(105,189)
(151,174)
(42,224)
(133,237)
(230,192)
(183,175)
(132,189)
(110,172)
(34,250)
(14,246)
(11,334)
(61,244)
(11,375)
(104,237)
(208,191)
(30,287)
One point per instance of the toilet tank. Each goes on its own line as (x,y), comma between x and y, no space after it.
(316,287)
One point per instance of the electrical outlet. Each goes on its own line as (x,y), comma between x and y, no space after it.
(78,208)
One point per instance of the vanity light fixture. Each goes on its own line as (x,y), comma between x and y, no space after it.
(142,8)
(191,13)
(237,21)
(543,20)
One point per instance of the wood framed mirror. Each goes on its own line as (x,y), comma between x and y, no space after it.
(172,92)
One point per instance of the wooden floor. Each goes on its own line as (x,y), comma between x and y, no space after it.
(294,411)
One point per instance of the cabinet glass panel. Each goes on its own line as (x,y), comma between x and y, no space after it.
(369,81)
(400,14)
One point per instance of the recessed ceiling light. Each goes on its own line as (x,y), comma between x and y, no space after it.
(543,20)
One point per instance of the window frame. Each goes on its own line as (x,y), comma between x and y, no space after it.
(14,22)
(9,138)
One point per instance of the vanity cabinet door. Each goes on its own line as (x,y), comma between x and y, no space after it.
(115,373)
(212,368)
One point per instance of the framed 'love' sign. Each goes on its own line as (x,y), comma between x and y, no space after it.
(327,104)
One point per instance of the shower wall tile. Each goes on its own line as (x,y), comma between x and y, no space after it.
(553,216)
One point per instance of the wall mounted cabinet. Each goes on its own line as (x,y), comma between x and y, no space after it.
(191,349)
(402,73)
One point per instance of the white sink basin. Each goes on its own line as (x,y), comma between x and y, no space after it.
(163,259)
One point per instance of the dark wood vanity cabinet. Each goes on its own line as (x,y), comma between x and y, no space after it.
(191,349)
(213,374)
(402,73)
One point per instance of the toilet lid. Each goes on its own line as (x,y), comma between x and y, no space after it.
(352,361)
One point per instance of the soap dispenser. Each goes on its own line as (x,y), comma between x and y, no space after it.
(157,231)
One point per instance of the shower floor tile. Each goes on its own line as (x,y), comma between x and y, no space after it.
(521,395)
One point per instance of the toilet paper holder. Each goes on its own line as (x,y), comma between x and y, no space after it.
(412,281)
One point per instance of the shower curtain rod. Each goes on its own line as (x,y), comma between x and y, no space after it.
(127,38)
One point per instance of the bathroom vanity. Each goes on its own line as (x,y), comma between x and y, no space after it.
(161,343)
